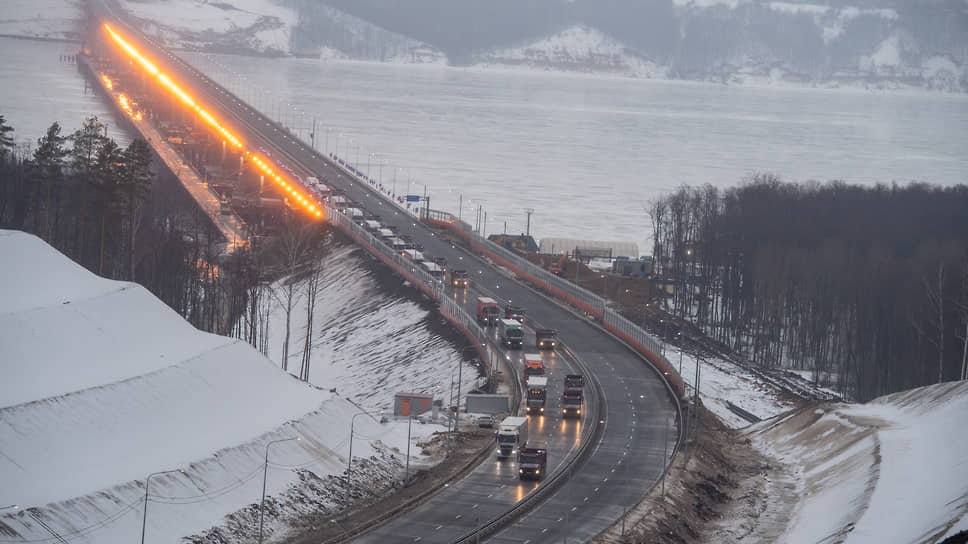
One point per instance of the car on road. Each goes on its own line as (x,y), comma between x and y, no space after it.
(485,422)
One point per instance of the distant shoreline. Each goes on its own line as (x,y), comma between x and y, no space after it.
(40,38)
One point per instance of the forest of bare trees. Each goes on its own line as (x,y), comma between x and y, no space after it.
(866,286)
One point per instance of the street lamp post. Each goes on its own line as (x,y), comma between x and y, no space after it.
(349,460)
(406,476)
(144,519)
(604,294)
(265,473)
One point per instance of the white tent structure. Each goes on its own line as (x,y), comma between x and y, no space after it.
(589,248)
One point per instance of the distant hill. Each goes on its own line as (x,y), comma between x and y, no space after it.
(881,43)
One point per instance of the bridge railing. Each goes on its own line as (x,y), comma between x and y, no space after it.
(417,276)
(633,335)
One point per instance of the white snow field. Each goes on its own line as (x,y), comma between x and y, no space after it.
(892,470)
(366,343)
(103,385)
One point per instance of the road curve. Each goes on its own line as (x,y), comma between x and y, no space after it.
(639,418)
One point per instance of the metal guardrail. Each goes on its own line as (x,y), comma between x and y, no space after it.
(416,275)
(590,437)
(633,335)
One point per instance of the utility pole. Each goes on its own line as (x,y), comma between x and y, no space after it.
(528,211)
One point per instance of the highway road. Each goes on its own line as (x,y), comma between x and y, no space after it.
(638,416)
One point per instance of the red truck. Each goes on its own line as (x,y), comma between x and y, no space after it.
(488,312)
(532,463)
(533,366)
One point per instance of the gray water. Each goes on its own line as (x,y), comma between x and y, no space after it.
(589,153)
(40,88)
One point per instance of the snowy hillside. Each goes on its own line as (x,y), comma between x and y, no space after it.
(577,49)
(365,340)
(104,385)
(257,26)
(891,470)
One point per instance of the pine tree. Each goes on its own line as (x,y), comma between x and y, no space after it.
(88,141)
(135,185)
(47,170)
(6,140)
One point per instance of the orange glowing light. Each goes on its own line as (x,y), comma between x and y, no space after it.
(306,201)
(174,88)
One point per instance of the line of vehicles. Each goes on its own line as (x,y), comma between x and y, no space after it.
(403,244)
(512,432)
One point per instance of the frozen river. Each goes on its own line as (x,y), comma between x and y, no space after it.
(41,87)
(588,153)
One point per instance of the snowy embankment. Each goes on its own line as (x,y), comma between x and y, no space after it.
(367,343)
(104,385)
(891,470)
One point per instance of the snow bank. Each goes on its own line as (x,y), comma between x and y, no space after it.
(103,385)
(892,470)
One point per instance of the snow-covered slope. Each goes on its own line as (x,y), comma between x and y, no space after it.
(366,342)
(891,470)
(259,26)
(578,48)
(103,385)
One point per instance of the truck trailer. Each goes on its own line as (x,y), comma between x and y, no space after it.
(512,435)
(533,366)
(511,334)
(488,311)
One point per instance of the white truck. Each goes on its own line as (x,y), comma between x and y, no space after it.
(537,394)
(512,435)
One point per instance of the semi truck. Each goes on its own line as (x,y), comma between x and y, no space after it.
(488,311)
(511,334)
(572,402)
(545,338)
(537,394)
(459,279)
(532,463)
(512,435)
(533,366)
